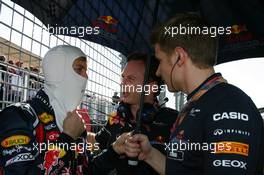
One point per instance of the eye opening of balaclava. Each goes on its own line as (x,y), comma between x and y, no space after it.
(78,65)
(64,87)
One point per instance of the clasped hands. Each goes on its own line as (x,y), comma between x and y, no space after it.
(137,145)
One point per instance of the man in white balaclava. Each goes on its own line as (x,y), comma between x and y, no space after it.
(64,87)
(28,129)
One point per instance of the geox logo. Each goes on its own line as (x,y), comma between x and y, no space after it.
(230,164)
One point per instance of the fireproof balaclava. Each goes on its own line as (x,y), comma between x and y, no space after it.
(64,87)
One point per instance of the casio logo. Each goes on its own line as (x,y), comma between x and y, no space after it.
(230,164)
(230,116)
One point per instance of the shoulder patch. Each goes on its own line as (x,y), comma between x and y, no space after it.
(15,140)
(46,118)
(114,118)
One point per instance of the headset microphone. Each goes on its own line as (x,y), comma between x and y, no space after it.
(165,100)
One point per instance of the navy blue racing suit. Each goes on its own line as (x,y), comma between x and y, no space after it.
(157,129)
(32,144)
(222,133)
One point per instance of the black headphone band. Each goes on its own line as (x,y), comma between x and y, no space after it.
(147,115)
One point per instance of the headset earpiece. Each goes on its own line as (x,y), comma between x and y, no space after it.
(148,113)
(124,111)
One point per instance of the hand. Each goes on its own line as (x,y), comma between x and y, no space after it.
(73,125)
(90,138)
(119,144)
(138,146)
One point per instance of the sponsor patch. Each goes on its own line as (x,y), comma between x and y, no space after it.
(193,112)
(230,164)
(52,135)
(16,149)
(230,116)
(218,132)
(176,155)
(114,118)
(20,158)
(50,126)
(51,157)
(15,140)
(46,118)
(231,148)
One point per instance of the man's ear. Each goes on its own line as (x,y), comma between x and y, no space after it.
(181,56)
(174,57)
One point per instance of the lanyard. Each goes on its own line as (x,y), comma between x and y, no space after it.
(200,92)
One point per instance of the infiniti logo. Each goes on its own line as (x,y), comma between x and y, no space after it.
(218,132)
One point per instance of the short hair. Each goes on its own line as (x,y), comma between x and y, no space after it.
(154,64)
(2,58)
(202,48)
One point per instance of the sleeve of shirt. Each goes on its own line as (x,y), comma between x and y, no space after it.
(233,135)
(106,161)
(103,136)
(235,130)
(17,143)
(183,162)
(22,154)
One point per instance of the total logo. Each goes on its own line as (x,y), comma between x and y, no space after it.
(230,164)
(219,132)
(230,116)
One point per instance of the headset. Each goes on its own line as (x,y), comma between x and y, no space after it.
(147,116)
(148,113)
